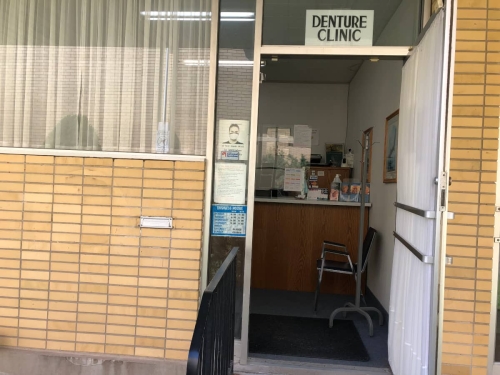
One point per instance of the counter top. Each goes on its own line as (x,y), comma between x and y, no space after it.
(310,201)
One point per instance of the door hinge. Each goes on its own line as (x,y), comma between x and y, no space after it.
(497,239)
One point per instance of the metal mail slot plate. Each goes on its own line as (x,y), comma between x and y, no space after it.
(156,222)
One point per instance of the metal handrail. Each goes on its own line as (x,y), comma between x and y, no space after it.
(212,346)
(417,211)
(427,259)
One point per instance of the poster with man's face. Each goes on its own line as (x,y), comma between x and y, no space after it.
(233,140)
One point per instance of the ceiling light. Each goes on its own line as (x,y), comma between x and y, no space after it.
(225,63)
(198,16)
(374,59)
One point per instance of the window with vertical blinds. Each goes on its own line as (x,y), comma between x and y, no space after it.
(105,75)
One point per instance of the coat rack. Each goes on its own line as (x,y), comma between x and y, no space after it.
(356,307)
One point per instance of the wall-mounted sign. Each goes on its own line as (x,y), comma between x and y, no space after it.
(230,182)
(339,27)
(233,137)
(229,221)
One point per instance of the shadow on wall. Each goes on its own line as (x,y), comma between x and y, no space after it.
(73,132)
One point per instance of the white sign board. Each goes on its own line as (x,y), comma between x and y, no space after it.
(293,179)
(230,183)
(233,140)
(339,27)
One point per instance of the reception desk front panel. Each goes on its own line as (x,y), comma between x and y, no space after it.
(288,237)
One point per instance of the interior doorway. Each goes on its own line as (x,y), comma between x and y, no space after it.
(339,98)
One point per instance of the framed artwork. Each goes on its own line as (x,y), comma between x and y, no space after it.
(369,159)
(391,148)
(334,153)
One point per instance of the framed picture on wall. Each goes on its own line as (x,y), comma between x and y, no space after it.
(391,148)
(369,159)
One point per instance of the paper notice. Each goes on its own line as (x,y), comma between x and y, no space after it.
(293,179)
(230,183)
(302,136)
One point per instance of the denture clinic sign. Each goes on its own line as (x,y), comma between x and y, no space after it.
(339,27)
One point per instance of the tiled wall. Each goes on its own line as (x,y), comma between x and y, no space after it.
(76,271)
(472,197)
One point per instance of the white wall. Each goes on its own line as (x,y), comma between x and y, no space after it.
(321,106)
(373,95)
(402,28)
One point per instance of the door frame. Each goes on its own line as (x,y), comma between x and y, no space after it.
(260,50)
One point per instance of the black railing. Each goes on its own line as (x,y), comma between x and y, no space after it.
(212,346)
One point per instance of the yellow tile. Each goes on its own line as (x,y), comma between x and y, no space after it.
(95,239)
(122,240)
(120,329)
(92,298)
(90,219)
(188,224)
(91,308)
(156,193)
(182,304)
(124,250)
(93,278)
(154,272)
(64,247)
(125,231)
(129,163)
(96,229)
(124,261)
(63,336)
(68,180)
(190,165)
(185,254)
(98,161)
(122,280)
(94,249)
(150,282)
(184,214)
(33,304)
(68,190)
(91,328)
(67,208)
(60,315)
(158,164)
(10,186)
(151,312)
(31,343)
(123,290)
(10,322)
(150,342)
(61,326)
(184,294)
(182,314)
(31,323)
(37,178)
(127,182)
(124,340)
(62,306)
(153,292)
(59,345)
(152,302)
(157,184)
(122,320)
(11,312)
(149,352)
(91,318)
(189,185)
(152,252)
(90,348)
(127,211)
(38,188)
(122,310)
(177,344)
(117,349)
(12,177)
(122,300)
(126,192)
(66,228)
(176,354)
(11,158)
(127,172)
(9,302)
(93,288)
(97,171)
(150,332)
(98,201)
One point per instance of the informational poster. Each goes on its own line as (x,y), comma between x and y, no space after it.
(293,179)
(229,220)
(230,183)
(315,137)
(344,27)
(302,135)
(233,136)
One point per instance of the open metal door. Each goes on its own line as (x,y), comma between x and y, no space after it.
(421,205)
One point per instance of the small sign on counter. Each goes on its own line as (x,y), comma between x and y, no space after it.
(229,220)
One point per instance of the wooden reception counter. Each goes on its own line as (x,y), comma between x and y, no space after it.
(287,238)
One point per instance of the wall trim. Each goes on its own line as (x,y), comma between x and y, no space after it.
(99,154)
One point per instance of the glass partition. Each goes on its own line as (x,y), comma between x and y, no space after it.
(394,22)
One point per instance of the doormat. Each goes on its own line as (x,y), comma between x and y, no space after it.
(306,337)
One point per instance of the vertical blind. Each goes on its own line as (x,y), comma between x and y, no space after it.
(110,75)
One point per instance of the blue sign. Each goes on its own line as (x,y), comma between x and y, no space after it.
(229,220)
(230,155)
